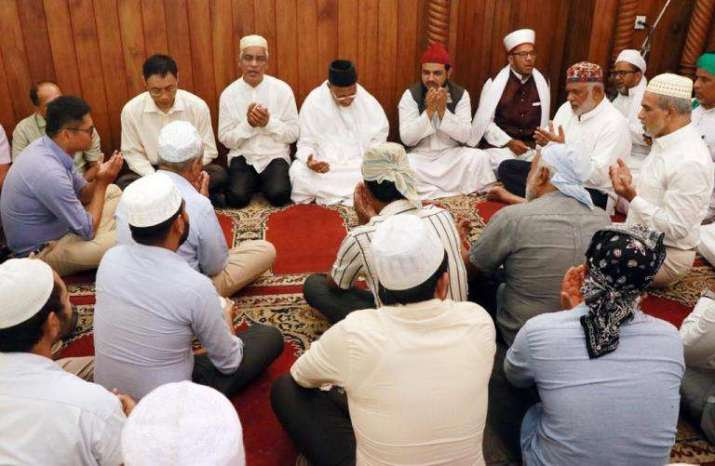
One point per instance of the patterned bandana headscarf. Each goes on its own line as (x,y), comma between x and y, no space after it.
(622,261)
(584,72)
(388,162)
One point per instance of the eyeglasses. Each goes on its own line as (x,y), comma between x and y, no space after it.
(343,98)
(89,130)
(260,59)
(531,54)
(156,91)
(620,74)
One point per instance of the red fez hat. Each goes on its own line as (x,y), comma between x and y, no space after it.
(436,53)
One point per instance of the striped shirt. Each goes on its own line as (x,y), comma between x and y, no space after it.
(354,259)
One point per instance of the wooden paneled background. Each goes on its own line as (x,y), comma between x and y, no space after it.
(95,48)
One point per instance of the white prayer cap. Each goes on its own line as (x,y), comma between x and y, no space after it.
(633,57)
(406,252)
(518,37)
(150,200)
(254,40)
(179,141)
(671,85)
(182,424)
(25,286)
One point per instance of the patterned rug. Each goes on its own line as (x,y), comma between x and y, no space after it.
(306,239)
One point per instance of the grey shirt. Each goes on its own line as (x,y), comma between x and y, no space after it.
(621,408)
(150,304)
(536,242)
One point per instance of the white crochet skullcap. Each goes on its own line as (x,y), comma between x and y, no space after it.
(406,252)
(518,37)
(25,287)
(253,40)
(183,424)
(150,200)
(671,85)
(633,57)
(179,141)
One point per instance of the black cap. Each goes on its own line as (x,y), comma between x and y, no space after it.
(342,73)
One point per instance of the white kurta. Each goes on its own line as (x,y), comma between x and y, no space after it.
(603,134)
(259,146)
(443,167)
(337,135)
(704,122)
(629,106)
(674,188)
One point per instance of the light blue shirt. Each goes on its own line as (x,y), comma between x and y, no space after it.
(40,198)
(205,248)
(621,408)
(150,304)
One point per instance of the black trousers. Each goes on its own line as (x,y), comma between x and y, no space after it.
(261,346)
(244,181)
(317,421)
(513,174)
(335,303)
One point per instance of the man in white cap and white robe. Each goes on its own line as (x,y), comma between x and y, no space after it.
(151,304)
(435,118)
(629,77)
(388,189)
(180,158)
(183,424)
(257,122)
(339,121)
(420,364)
(674,187)
(513,104)
(703,115)
(49,416)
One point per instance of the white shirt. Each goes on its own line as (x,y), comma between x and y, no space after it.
(416,378)
(698,333)
(674,188)
(52,417)
(142,120)
(704,121)
(603,133)
(4,148)
(259,146)
(630,106)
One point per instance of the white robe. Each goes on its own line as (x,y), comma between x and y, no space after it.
(704,122)
(443,167)
(630,106)
(337,135)
(483,124)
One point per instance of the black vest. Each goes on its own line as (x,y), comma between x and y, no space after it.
(419,90)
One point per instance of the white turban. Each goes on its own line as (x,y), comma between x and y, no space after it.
(388,162)
(150,200)
(179,141)
(518,37)
(25,287)
(254,40)
(671,85)
(183,424)
(633,57)
(572,169)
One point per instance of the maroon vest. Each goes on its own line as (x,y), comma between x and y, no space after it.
(515,113)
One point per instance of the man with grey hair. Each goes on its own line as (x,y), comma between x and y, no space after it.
(257,122)
(180,151)
(388,189)
(676,180)
(587,119)
(525,249)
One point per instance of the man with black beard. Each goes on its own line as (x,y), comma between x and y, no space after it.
(151,304)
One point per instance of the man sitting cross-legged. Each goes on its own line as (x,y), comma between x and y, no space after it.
(415,372)
(388,190)
(608,375)
(180,158)
(151,303)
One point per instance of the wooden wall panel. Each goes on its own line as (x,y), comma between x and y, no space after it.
(96,48)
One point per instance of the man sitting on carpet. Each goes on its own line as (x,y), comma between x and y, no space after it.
(49,416)
(415,372)
(608,375)
(676,180)
(388,190)
(183,424)
(536,242)
(589,120)
(435,121)
(180,158)
(151,303)
(339,121)
(48,208)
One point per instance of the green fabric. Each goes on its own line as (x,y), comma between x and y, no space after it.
(707,62)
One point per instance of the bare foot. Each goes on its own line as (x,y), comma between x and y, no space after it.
(500,194)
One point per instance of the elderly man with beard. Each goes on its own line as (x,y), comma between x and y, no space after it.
(587,119)
(676,181)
